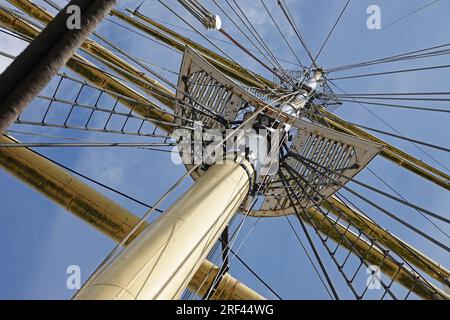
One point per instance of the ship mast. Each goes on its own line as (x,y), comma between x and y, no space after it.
(160,260)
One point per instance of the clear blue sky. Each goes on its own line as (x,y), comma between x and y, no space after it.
(38,239)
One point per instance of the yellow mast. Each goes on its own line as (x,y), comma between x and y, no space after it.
(164,258)
(100,212)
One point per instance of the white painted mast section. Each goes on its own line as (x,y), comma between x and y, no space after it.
(160,262)
(294,108)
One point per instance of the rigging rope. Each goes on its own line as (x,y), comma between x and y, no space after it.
(413,275)
(395,58)
(390,72)
(281,33)
(294,26)
(308,236)
(332,30)
(396,131)
(398,194)
(402,137)
(397,106)
(408,14)
(311,164)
